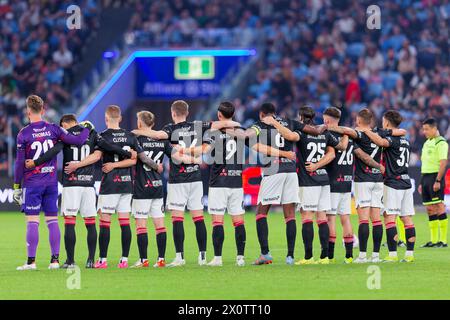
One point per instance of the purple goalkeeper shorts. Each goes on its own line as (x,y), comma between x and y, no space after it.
(37,199)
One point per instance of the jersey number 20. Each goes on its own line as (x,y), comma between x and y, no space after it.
(41,147)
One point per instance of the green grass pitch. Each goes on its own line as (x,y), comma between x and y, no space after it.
(427,278)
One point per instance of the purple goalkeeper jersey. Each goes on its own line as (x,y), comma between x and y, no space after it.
(32,141)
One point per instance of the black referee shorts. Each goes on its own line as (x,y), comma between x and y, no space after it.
(428,195)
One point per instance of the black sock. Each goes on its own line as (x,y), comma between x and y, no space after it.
(391,233)
(103,240)
(218,237)
(200,232)
(161,240)
(142,242)
(433,217)
(178,236)
(331,247)
(363,235)
(291,234)
(69,242)
(91,240)
(262,230)
(324,236)
(240,237)
(126,240)
(377,234)
(31,260)
(308,238)
(410,233)
(348,247)
(442,216)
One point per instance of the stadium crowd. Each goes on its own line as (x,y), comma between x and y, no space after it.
(321,53)
(38,54)
(316,52)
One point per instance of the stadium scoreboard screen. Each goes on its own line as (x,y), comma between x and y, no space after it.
(194,68)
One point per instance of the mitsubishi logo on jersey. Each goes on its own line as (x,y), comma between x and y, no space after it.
(72,177)
(340,178)
(149,184)
(224,173)
(117,179)
(182,169)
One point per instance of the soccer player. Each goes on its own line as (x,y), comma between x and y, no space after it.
(313,153)
(116,186)
(185,187)
(148,190)
(78,187)
(398,192)
(40,185)
(368,185)
(340,172)
(279,178)
(432,185)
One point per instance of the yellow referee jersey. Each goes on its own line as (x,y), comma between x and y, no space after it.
(433,151)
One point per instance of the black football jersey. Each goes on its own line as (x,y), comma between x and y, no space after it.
(311,149)
(270,136)
(82,177)
(148,183)
(120,180)
(186,135)
(228,156)
(340,170)
(396,161)
(364,173)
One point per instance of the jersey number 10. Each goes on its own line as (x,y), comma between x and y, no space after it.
(80,153)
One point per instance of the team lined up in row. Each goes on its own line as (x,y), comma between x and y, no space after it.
(321,175)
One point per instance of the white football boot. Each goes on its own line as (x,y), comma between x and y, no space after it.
(27,266)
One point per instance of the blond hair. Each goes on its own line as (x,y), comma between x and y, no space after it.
(35,104)
(180,108)
(147,118)
(113,112)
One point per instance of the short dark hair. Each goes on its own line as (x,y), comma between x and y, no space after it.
(431,122)
(366,116)
(307,114)
(67,118)
(394,117)
(268,108)
(333,112)
(226,108)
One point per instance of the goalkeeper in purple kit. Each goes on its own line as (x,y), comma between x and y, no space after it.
(36,189)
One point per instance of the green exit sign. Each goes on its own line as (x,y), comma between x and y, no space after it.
(194,68)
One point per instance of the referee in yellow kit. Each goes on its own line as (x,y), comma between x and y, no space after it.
(434,163)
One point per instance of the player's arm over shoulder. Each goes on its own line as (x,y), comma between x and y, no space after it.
(380,138)
(163,134)
(339,144)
